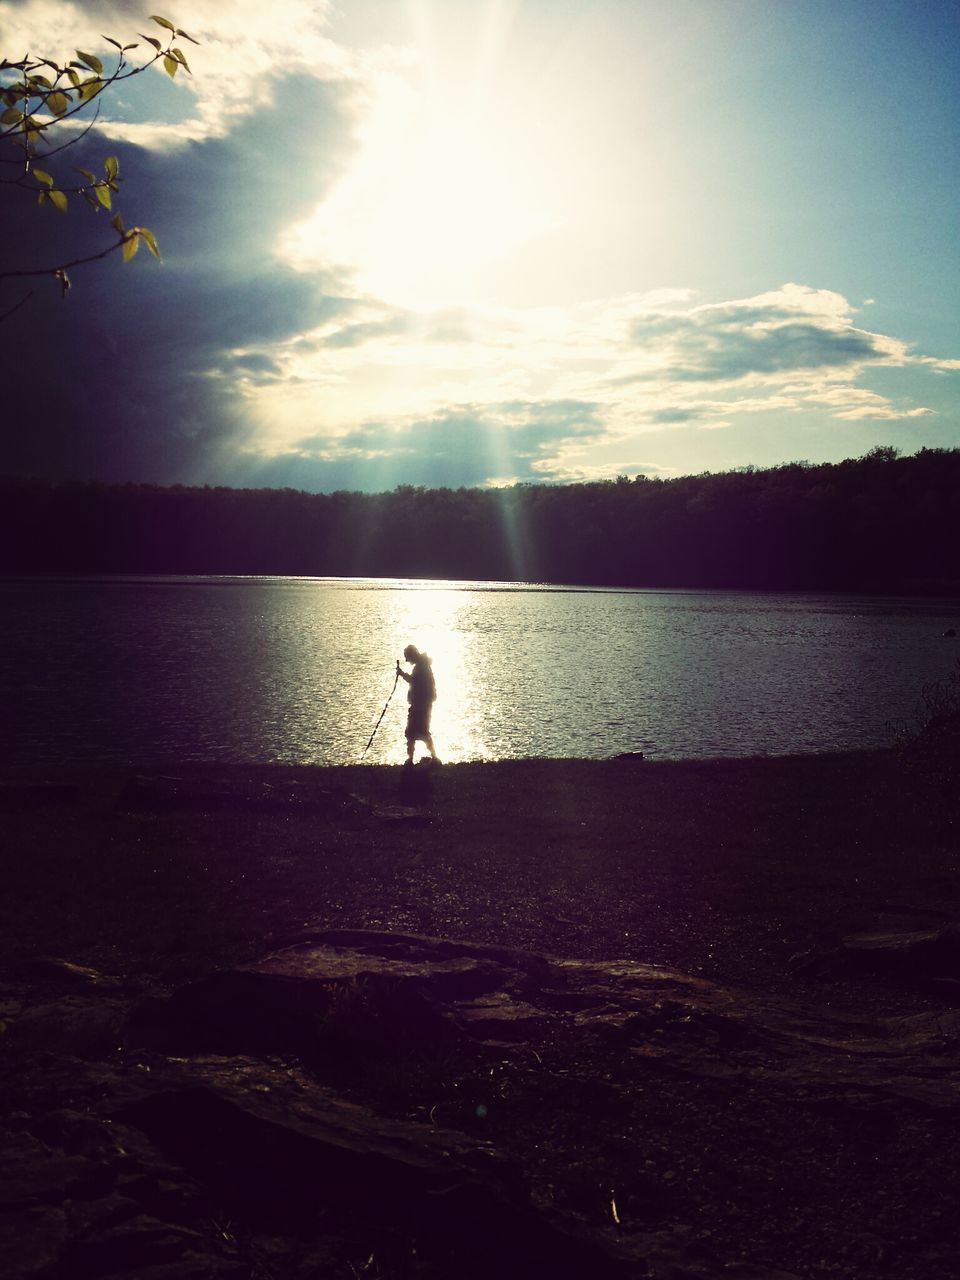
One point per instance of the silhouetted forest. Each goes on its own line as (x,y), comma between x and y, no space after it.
(877,523)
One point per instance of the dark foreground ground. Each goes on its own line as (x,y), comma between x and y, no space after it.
(776,1102)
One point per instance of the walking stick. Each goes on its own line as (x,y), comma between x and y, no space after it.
(384,711)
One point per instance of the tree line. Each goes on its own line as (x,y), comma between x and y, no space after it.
(877,523)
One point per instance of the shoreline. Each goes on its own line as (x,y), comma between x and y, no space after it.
(772,848)
(617,986)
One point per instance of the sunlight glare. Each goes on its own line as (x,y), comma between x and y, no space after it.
(443,187)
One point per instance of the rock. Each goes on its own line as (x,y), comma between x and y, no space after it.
(32,1241)
(226,1105)
(282,1150)
(399,815)
(920,956)
(88,1027)
(64,974)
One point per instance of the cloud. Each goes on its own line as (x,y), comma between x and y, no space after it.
(774,335)
(243,46)
(235,362)
(850,404)
(462,445)
(149,365)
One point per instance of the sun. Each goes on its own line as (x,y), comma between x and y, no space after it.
(442,189)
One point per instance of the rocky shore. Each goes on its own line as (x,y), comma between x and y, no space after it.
(536,1018)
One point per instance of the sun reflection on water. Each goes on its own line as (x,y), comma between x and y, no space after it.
(433,620)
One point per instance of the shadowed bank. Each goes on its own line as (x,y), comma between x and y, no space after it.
(631,1002)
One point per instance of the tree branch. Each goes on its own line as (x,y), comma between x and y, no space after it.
(16,306)
(77,262)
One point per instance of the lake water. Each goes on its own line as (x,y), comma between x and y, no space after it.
(298,670)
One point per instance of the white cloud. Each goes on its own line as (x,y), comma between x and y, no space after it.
(244,46)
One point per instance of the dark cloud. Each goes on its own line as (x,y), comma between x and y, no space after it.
(726,344)
(669,416)
(114,381)
(464,446)
(396,325)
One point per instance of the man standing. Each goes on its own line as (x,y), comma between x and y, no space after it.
(421,696)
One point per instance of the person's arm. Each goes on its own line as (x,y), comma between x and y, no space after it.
(401,672)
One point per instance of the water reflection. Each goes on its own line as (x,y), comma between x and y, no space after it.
(297,670)
(434,621)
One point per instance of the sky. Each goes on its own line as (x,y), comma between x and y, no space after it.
(481,242)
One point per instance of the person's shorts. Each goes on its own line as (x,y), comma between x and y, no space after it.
(418,722)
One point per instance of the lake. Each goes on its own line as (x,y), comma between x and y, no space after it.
(153,669)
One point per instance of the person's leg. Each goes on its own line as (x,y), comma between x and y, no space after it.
(411,744)
(429,743)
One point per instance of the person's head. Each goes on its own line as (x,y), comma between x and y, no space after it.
(411,653)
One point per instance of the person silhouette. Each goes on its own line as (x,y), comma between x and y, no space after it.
(420,696)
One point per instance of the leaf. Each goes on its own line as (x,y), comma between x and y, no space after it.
(131,245)
(110,40)
(11,116)
(58,103)
(163,22)
(128,46)
(42,197)
(150,40)
(178,54)
(74,78)
(179,32)
(42,176)
(117,223)
(151,242)
(41,80)
(90,177)
(111,167)
(102,192)
(89,89)
(93,63)
(170,65)
(59,199)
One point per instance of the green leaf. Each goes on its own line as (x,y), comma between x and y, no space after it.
(41,80)
(178,54)
(42,197)
(74,78)
(90,177)
(151,242)
(128,46)
(179,32)
(11,116)
(170,65)
(89,89)
(59,199)
(150,40)
(58,103)
(93,63)
(102,192)
(43,177)
(163,22)
(117,223)
(131,245)
(110,40)
(111,167)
